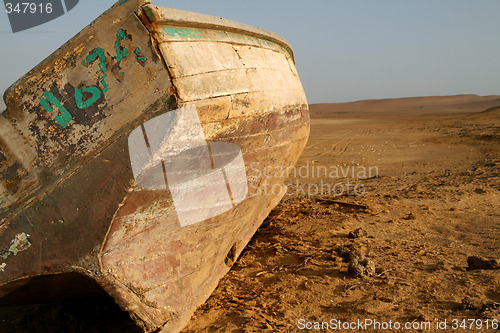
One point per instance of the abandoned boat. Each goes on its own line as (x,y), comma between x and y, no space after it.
(139,155)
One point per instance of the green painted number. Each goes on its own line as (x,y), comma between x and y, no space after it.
(96,94)
(93,56)
(139,57)
(121,51)
(48,100)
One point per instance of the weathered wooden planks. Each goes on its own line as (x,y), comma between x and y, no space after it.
(247,91)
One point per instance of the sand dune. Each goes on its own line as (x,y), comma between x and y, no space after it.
(491,113)
(459,104)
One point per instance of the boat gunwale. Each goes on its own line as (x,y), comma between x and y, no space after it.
(186,19)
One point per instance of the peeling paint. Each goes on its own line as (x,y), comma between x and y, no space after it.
(96,94)
(62,117)
(183,32)
(2,267)
(19,243)
(149,13)
(121,51)
(141,59)
(98,53)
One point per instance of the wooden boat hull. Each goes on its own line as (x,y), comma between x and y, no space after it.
(70,202)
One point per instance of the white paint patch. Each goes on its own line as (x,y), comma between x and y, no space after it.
(2,267)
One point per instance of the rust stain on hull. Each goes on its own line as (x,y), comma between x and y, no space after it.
(65,170)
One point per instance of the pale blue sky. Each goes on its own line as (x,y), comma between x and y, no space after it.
(345,50)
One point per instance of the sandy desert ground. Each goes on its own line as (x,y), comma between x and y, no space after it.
(392,215)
